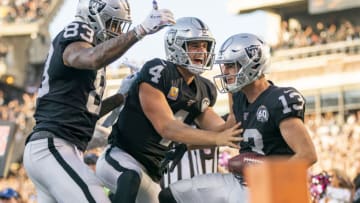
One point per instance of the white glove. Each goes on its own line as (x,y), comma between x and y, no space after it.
(155,21)
(127,82)
(124,89)
(112,118)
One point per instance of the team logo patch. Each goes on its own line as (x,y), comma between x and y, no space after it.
(254,52)
(95,6)
(262,114)
(173,93)
(204,104)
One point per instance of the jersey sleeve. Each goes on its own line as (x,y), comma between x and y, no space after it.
(155,73)
(77,31)
(289,103)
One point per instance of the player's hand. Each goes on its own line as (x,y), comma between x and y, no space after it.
(230,121)
(127,82)
(155,21)
(230,137)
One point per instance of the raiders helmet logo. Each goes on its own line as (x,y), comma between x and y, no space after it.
(96,6)
(170,39)
(262,114)
(254,52)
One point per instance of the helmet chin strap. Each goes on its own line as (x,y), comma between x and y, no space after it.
(197,70)
(102,29)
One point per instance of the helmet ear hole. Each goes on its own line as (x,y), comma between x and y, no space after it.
(256,66)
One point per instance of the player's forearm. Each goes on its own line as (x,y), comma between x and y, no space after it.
(180,132)
(107,52)
(219,128)
(111,103)
(309,158)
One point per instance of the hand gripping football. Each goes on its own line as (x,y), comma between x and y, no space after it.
(239,162)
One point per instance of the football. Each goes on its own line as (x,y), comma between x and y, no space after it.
(239,162)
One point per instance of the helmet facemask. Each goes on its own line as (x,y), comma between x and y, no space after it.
(114,27)
(206,64)
(108,18)
(237,79)
(248,54)
(177,39)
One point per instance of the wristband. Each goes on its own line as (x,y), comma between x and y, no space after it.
(138,33)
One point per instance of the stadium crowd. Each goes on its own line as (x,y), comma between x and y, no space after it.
(22,11)
(295,35)
(334,142)
(338,153)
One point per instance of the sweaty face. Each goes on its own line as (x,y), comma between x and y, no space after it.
(197,51)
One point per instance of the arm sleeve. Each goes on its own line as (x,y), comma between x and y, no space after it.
(289,103)
(77,31)
(155,73)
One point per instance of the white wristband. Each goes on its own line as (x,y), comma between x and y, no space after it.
(139,33)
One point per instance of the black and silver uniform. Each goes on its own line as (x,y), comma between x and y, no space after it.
(69,99)
(134,133)
(262,118)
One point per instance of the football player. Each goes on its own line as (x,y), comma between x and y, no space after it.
(166,98)
(271,116)
(70,97)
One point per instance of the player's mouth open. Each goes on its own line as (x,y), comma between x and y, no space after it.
(198,61)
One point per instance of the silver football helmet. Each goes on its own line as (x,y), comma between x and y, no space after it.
(176,38)
(108,18)
(248,54)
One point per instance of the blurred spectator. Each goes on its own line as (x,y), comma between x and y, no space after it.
(23,11)
(298,35)
(2,99)
(340,188)
(318,184)
(334,142)
(10,195)
(356,196)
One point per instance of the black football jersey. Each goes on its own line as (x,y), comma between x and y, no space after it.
(134,133)
(69,99)
(261,119)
